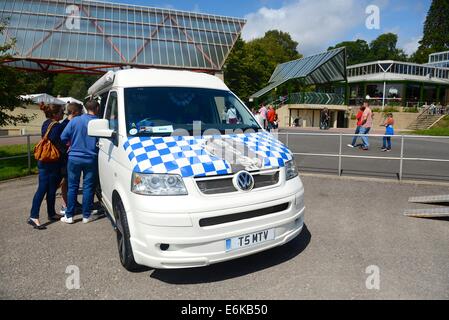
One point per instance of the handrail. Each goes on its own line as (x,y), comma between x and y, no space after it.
(424,112)
(341,156)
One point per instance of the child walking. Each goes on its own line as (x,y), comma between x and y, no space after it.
(389,131)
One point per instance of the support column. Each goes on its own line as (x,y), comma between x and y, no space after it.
(421,94)
(335,119)
(404,94)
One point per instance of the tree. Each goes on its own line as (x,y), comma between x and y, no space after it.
(250,64)
(73,85)
(236,70)
(436,31)
(356,51)
(14,83)
(384,48)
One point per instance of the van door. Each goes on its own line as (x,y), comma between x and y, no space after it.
(107,156)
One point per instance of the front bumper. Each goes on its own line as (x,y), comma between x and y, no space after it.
(193,246)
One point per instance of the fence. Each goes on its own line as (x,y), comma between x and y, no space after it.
(340,156)
(28,154)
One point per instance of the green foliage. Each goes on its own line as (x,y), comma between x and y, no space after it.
(381,48)
(356,51)
(72,85)
(411,110)
(433,132)
(18,167)
(384,48)
(250,64)
(14,83)
(436,31)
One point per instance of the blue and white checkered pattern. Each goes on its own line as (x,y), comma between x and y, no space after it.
(187,157)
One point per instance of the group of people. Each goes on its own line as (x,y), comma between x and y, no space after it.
(364,119)
(267,117)
(78,153)
(435,109)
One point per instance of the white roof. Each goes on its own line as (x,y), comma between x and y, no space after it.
(42,97)
(160,78)
(388,76)
(69,99)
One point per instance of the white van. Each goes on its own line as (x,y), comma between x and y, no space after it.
(187,175)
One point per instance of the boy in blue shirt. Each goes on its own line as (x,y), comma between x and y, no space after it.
(83,157)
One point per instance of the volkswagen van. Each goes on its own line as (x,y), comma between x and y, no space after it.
(187,175)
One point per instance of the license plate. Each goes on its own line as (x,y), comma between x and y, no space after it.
(249,239)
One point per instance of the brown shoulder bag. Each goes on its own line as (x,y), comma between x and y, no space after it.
(45,150)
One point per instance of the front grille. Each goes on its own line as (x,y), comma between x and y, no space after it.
(225,185)
(207,222)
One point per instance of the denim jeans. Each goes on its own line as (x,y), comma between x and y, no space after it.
(89,168)
(365,142)
(49,180)
(386,142)
(357,131)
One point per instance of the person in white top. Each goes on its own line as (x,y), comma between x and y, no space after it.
(263,113)
(231,115)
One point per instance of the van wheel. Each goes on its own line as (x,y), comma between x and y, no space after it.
(123,243)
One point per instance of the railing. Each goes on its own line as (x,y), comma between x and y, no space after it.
(316,98)
(340,156)
(28,153)
(276,102)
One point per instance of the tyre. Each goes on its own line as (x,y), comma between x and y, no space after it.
(123,239)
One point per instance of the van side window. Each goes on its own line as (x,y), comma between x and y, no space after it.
(103,100)
(112,111)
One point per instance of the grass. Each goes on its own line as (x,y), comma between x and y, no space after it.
(13,168)
(440,129)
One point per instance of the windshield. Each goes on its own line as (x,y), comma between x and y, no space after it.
(162,111)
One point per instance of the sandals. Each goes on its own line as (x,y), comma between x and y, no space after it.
(35,225)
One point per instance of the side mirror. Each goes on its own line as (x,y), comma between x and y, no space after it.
(99,128)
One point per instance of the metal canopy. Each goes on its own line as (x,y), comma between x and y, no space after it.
(322,68)
(81,36)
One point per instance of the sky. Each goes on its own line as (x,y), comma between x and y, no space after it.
(315,24)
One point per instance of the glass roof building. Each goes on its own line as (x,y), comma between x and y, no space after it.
(326,67)
(91,36)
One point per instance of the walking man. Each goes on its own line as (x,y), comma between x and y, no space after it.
(359,125)
(367,123)
(83,157)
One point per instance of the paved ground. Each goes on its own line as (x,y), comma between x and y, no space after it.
(351,224)
(18,140)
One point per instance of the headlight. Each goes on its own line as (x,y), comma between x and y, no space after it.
(151,184)
(290,170)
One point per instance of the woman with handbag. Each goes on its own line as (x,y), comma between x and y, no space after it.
(50,154)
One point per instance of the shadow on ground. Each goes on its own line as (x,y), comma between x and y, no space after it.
(239,267)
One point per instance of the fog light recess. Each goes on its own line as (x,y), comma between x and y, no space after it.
(164,246)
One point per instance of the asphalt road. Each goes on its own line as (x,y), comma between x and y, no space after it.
(429,148)
(351,224)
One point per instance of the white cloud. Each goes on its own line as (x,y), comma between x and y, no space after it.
(411,45)
(196,8)
(314,24)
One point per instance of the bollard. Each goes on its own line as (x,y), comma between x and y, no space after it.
(402,158)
